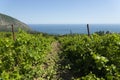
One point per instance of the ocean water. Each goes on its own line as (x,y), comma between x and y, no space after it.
(74,28)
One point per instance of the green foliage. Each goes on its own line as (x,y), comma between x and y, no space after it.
(23,59)
(31,57)
(99,55)
(102,32)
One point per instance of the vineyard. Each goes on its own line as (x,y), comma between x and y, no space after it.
(92,58)
(24,59)
(68,57)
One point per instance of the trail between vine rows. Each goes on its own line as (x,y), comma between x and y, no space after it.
(50,64)
(58,62)
(54,64)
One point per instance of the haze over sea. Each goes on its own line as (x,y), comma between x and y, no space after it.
(74,28)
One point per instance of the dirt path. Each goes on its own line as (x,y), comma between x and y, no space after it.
(54,64)
(50,65)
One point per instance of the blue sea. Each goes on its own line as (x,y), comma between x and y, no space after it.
(74,28)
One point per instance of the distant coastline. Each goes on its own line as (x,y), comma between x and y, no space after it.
(74,28)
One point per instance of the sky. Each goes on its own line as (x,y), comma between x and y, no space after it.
(63,11)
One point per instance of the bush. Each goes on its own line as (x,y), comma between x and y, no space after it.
(98,55)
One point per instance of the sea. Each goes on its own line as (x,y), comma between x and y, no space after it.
(62,29)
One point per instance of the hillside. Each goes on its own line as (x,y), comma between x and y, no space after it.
(68,57)
(6,21)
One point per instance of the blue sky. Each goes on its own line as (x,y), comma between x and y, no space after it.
(63,11)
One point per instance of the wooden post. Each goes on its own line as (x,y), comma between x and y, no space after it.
(88,30)
(13,32)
